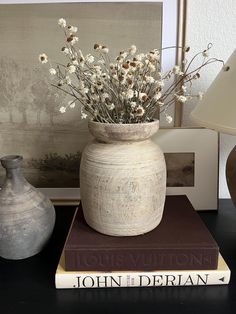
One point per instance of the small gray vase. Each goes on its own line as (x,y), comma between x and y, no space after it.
(27,217)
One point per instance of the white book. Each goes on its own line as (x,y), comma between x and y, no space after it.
(97,279)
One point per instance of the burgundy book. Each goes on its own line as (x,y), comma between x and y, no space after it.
(180,242)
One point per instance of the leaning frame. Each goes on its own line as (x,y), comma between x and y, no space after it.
(173,34)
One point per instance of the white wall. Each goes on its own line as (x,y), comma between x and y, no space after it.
(212,21)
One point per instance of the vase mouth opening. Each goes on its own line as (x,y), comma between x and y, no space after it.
(154,121)
(11,161)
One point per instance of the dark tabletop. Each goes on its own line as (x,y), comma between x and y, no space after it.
(27,286)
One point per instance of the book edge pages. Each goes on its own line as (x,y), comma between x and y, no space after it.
(98,279)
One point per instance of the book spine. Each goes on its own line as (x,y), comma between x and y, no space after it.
(145,259)
(141,279)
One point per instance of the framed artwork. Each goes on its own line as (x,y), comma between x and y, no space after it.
(31,124)
(192,160)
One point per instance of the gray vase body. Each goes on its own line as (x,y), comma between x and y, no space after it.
(27,217)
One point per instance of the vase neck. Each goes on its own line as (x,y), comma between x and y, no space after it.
(14,174)
(14,180)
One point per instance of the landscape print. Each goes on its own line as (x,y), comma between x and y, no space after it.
(32,126)
(180,169)
(30,122)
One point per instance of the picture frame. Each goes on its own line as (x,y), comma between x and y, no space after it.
(204,144)
(172,34)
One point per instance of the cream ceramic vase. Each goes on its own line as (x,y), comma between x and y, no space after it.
(123,179)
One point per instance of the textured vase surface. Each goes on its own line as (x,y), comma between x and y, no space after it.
(123,179)
(27,217)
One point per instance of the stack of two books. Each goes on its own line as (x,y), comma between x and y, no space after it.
(179,252)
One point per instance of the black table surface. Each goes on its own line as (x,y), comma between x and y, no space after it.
(27,286)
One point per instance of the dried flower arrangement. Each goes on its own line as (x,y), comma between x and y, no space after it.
(129,90)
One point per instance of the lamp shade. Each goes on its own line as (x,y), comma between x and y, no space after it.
(217,109)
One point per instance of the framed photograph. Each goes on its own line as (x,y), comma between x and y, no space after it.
(192,160)
(31,124)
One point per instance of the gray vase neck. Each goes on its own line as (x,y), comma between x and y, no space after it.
(14,177)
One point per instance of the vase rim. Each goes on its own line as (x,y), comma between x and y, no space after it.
(113,132)
(11,158)
(11,161)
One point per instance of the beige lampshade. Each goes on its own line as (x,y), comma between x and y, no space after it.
(217,109)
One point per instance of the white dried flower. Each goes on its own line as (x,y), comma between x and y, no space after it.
(181,98)
(139,64)
(104,97)
(89,58)
(160,83)
(52,71)
(99,85)
(65,50)
(169,119)
(98,69)
(105,49)
(75,62)
(74,40)
(139,111)
(73,29)
(62,109)
(83,115)
(133,104)
(157,96)
(143,96)
(43,58)
(153,55)
(110,107)
(62,22)
(140,57)
(149,79)
(151,67)
(134,82)
(123,54)
(132,49)
(176,69)
(68,80)
(72,68)
(97,47)
(129,94)
(115,77)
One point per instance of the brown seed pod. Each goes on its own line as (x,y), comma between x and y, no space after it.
(125,65)
(96,46)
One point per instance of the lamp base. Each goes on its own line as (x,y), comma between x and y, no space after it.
(231,174)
